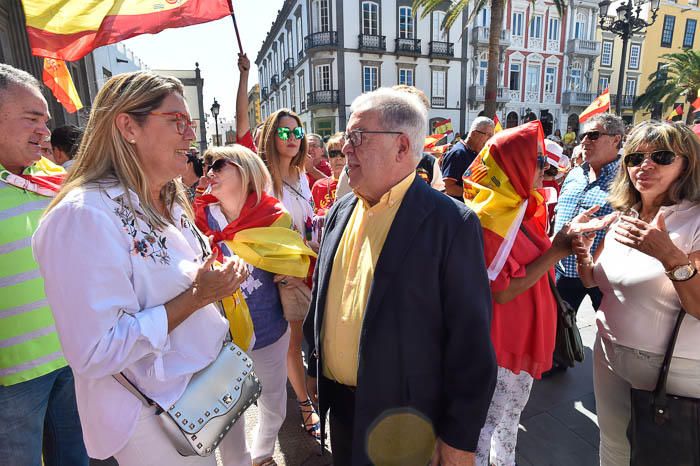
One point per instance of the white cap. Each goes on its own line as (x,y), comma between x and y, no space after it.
(553,151)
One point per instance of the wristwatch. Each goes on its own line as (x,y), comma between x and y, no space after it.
(682,273)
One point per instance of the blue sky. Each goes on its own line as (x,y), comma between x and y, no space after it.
(214,46)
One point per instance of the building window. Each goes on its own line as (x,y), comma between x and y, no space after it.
(369,78)
(438,34)
(406,76)
(553,29)
(631,86)
(300,39)
(302,91)
(483,68)
(285,102)
(689,36)
(667,31)
(603,83)
(517,23)
(536,27)
(575,77)
(321,16)
(550,79)
(405,22)
(533,79)
(514,78)
(606,56)
(370,18)
(484,18)
(580,27)
(635,52)
(323,78)
(438,83)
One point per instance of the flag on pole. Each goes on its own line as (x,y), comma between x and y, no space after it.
(497,127)
(600,105)
(57,78)
(678,111)
(70,29)
(443,127)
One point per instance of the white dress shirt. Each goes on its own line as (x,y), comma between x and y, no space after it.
(107,277)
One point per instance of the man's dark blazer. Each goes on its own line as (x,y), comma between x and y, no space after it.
(425,341)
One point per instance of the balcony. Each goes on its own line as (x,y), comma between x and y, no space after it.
(327,98)
(627,100)
(371,43)
(264,94)
(274,82)
(321,40)
(441,49)
(302,106)
(288,69)
(587,48)
(478,94)
(301,55)
(409,47)
(577,99)
(480,36)
(438,102)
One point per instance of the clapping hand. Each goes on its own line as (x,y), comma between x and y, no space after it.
(585,222)
(650,238)
(215,283)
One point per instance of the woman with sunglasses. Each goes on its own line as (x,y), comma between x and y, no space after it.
(646,268)
(323,191)
(520,259)
(283,148)
(244,220)
(128,276)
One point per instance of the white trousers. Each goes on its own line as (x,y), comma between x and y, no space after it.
(500,432)
(149,446)
(616,369)
(271,368)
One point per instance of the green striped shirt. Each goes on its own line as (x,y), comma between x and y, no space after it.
(29,346)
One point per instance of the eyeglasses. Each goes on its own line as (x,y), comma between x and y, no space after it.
(182,120)
(355,136)
(483,132)
(219,165)
(335,153)
(541,161)
(594,135)
(659,157)
(284,133)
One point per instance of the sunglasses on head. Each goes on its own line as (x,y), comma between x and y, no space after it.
(659,157)
(593,135)
(284,133)
(335,153)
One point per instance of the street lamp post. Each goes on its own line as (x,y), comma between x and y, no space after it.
(215,107)
(627,22)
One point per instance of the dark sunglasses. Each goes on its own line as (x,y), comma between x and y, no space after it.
(219,165)
(659,157)
(541,161)
(284,133)
(593,135)
(335,153)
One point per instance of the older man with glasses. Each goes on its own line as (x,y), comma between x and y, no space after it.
(401,352)
(585,186)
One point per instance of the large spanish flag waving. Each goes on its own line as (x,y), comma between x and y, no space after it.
(498,188)
(70,29)
(600,105)
(58,79)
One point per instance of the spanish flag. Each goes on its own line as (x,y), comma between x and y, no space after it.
(70,29)
(444,126)
(600,105)
(497,127)
(678,111)
(498,188)
(431,140)
(57,78)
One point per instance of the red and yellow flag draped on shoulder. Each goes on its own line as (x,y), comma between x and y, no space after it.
(498,186)
(70,29)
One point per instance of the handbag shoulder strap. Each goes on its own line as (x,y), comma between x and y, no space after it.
(660,390)
(552,285)
(126,383)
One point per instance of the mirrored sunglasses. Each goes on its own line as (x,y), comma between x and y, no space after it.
(284,133)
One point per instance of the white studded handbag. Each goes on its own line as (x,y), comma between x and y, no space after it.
(213,401)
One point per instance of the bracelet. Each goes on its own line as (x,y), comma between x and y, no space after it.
(587,262)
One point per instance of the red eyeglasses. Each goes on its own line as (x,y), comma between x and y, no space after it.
(182,120)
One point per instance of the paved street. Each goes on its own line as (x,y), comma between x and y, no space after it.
(558,426)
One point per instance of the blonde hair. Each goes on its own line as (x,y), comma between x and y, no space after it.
(676,137)
(335,142)
(268,151)
(104,153)
(254,174)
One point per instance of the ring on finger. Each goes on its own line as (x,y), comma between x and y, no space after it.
(284,282)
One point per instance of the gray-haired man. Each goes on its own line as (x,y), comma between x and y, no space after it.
(458,159)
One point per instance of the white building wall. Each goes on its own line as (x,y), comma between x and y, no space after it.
(114,59)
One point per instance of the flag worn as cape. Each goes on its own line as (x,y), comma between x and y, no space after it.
(498,187)
(497,127)
(600,105)
(43,178)
(70,29)
(57,78)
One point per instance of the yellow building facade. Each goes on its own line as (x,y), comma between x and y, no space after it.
(254,106)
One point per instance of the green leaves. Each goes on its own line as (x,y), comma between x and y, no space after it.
(679,76)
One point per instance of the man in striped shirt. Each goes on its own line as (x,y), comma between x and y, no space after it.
(37,398)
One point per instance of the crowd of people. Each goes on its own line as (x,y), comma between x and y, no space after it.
(406,298)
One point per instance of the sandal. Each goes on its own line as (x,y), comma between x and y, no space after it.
(312,428)
(266,462)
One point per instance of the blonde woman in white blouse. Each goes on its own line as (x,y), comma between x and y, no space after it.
(647,269)
(128,275)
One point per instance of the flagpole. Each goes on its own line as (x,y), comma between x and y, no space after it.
(235,27)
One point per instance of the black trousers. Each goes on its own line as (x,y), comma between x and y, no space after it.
(341,403)
(573,292)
